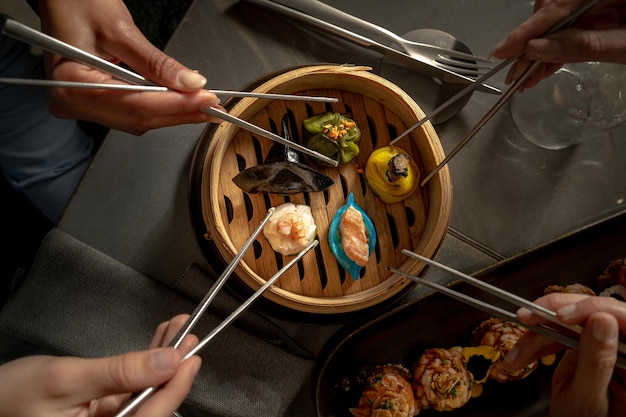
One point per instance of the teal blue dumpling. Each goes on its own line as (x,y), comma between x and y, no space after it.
(334,238)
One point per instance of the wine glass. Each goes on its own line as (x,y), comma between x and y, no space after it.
(579,102)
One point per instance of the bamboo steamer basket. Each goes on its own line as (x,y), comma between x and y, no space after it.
(317,284)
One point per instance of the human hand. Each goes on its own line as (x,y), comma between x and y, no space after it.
(585,381)
(599,35)
(66,386)
(106,29)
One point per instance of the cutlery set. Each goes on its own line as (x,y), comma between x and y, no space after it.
(448,65)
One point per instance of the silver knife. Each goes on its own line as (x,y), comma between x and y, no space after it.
(400,57)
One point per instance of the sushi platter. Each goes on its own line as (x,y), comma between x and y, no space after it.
(318,288)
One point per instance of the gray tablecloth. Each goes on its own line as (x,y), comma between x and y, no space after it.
(78,301)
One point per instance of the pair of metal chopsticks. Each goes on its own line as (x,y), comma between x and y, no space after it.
(31,36)
(138,83)
(565,334)
(568,20)
(137,400)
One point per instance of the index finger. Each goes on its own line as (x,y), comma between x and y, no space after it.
(553,301)
(131,46)
(580,311)
(535,26)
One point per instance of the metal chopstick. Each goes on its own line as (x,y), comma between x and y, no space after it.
(274,96)
(493,290)
(504,295)
(200,310)
(481,305)
(267,134)
(250,300)
(76,84)
(471,87)
(48,43)
(501,101)
(465,91)
(219,283)
(156,88)
(499,312)
(138,400)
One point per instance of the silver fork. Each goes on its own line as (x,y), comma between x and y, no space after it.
(419,62)
(459,62)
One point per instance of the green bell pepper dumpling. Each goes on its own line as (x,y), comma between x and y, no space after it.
(334,135)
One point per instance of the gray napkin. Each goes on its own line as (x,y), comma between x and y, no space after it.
(78,301)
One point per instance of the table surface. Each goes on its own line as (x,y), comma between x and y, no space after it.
(509,195)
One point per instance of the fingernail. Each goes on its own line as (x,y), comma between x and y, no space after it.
(524,314)
(510,357)
(544,49)
(164,359)
(567,311)
(604,331)
(191,79)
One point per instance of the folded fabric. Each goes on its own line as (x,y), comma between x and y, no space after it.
(78,301)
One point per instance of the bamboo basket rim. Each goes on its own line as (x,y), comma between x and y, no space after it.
(440,186)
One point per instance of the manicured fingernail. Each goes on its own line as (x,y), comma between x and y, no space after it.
(566,311)
(604,331)
(191,79)
(164,359)
(544,49)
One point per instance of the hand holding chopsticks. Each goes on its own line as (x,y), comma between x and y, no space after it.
(563,333)
(568,20)
(113,112)
(206,301)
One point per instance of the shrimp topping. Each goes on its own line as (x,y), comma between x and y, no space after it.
(441,380)
(290,229)
(388,393)
(354,240)
(502,335)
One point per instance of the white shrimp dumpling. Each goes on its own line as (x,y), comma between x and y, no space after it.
(290,228)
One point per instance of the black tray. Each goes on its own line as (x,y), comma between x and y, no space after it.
(401,335)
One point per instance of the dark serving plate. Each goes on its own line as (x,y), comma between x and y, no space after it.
(401,335)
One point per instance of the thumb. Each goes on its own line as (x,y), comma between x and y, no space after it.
(131,372)
(597,354)
(137,52)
